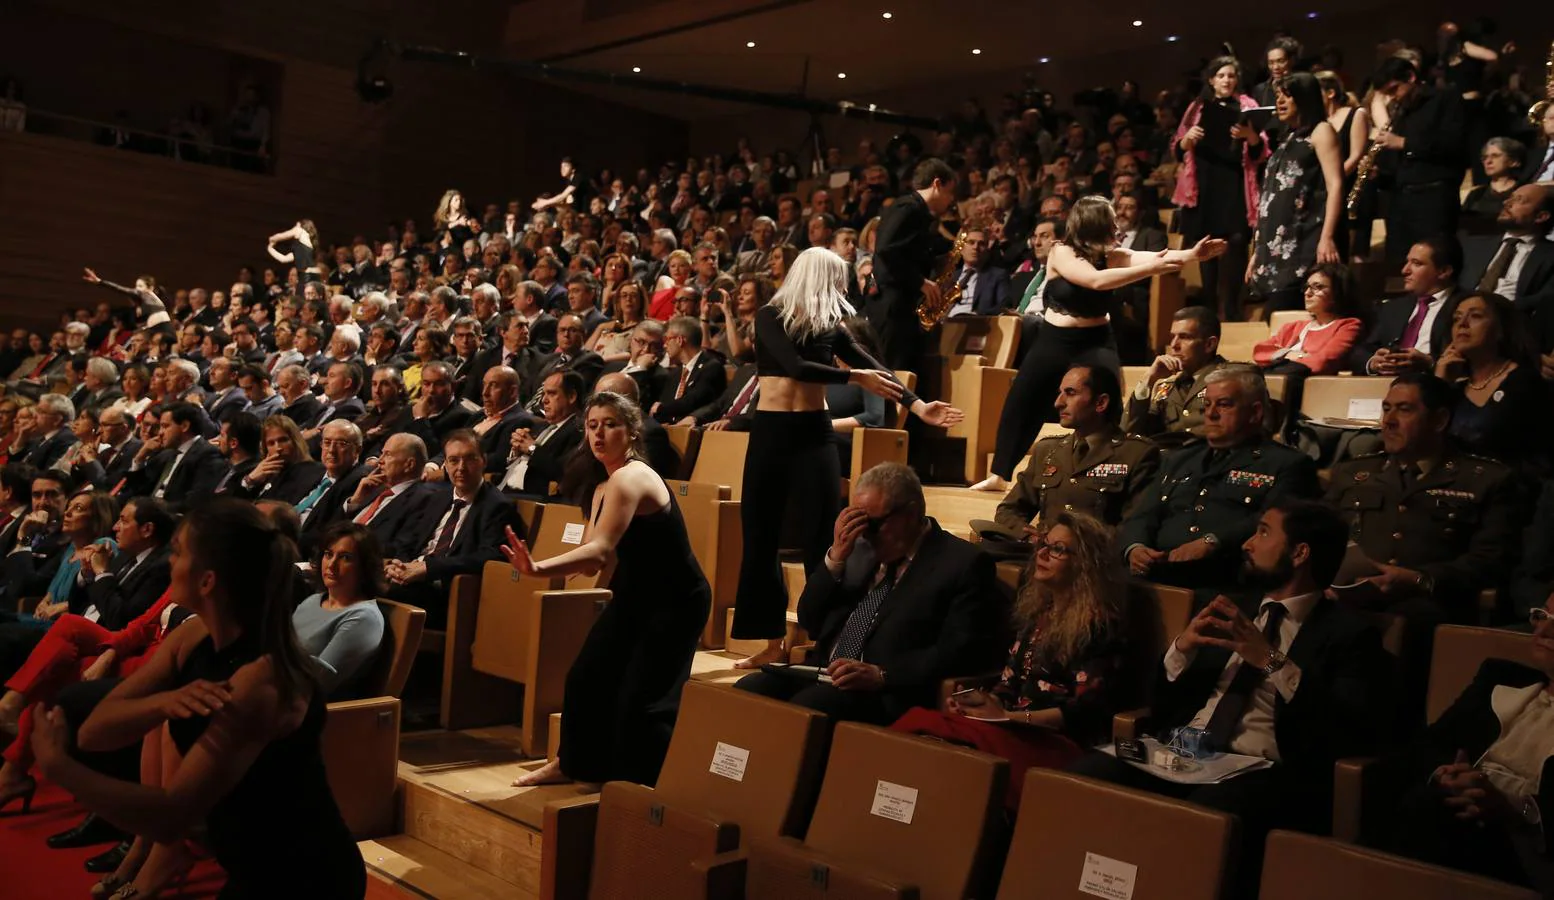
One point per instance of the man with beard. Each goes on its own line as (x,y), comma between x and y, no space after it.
(1299,681)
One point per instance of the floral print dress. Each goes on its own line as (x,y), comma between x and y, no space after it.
(1290,211)
(1084,690)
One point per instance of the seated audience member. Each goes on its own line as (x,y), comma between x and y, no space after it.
(340,450)
(513,351)
(342,383)
(1096,469)
(263,401)
(85,427)
(225,396)
(241,443)
(391,498)
(54,414)
(1522,267)
(1321,344)
(569,355)
(104,463)
(23,435)
(287,472)
(50,565)
(899,605)
(696,375)
(1212,492)
(101,383)
(502,415)
(342,627)
(430,348)
(389,412)
(849,406)
(1058,689)
(1299,680)
(644,362)
(984,287)
(1501,409)
(1167,406)
(468,526)
(15,501)
(465,338)
(178,464)
(529,305)
(439,412)
(662,457)
(536,461)
(298,402)
(1478,779)
(1503,161)
(1411,330)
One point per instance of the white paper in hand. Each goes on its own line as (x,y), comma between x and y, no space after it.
(1107,877)
(572,534)
(729,761)
(894,802)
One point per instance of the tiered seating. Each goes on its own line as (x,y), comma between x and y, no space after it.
(1299,866)
(719,470)
(1331,396)
(1238,339)
(974,374)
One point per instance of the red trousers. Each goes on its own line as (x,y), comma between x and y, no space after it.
(1023,747)
(68,648)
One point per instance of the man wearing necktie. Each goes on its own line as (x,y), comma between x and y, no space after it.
(1413,328)
(1167,404)
(537,460)
(1522,269)
(698,374)
(189,467)
(340,451)
(123,587)
(1295,679)
(899,605)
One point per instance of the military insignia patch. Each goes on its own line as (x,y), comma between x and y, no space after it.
(1243,478)
(1108,470)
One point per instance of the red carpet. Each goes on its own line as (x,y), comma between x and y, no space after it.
(29,870)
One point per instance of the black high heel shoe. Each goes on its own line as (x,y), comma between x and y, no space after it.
(24,789)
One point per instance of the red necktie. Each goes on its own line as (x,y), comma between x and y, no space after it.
(685,375)
(365,516)
(1411,333)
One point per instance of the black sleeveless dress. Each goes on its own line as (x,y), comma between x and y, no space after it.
(623,690)
(278,833)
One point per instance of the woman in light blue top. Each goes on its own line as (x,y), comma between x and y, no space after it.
(342,627)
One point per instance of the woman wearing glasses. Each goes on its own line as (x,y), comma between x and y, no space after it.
(1057,691)
(1319,345)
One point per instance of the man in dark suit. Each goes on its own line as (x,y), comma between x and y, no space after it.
(391,499)
(241,443)
(904,252)
(537,459)
(324,503)
(1429,143)
(1521,268)
(1130,316)
(984,287)
(529,305)
(226,397)
(569,356)
(15,502)
(1212,493)
(514,351)
(340,400)
(178,465)
(388,414)
(733,408)
(502,415)
(105,468)
(124,586)
(298,402)
(696,376)
(645,363)
(439,413)
(54,414)
(1295,679)
(245,337)
(892,614)
(101,382)
(35,556)
(470,525)
(661,453)
(1413,329)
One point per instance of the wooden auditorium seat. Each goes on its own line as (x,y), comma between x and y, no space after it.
(1157,613)
(721,460)
(1329,396)
(1167,294)
(898,816)
(361,737)
(1364,787)
(1072,832)
(1237,339)
(686,440)
(993,338)
(1299,866)
(712,523)
(979,390)
(739,766)
(1283,317)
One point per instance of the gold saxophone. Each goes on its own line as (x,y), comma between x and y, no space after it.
(1535,114)
(1366,170)
(931,314)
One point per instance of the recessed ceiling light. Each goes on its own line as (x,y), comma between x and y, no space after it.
(636,68)
(1172,39)
(1138,23)
(841,74)
(872,107)
(749,43)
(885,15)
(1311,15)
(976,52)
(1045,59)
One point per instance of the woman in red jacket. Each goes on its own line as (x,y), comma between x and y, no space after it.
(1318,345)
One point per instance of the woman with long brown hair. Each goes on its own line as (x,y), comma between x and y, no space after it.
(612,338)
(1057,691)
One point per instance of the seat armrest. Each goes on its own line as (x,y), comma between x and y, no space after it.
(567,853)
(1131,724)
(785,864)
(1364,789)
(360,746)
(723,874)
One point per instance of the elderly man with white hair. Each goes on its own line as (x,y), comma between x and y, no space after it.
(102,384)
(75,337)
(344,346)
(374,306)
(182,384)
(54,412)
(341,310)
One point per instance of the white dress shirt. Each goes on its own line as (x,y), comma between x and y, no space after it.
(1506,287)
(431,542)
(518,465)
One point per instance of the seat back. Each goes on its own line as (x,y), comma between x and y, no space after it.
(504,623)
(993,338)
(1072,831)
(919,811)
(561,529)
(1131,376)
(1283,317)
(744,759)
(686,441)
(699,507)
(530,512)
(402,625)
(1157,613)
(1237,339)
(1301,866)
(721,460)
(1328,396)
(1459,651)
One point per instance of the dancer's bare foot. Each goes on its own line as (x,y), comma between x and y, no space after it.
(550,773)
(991,483)
(772,653)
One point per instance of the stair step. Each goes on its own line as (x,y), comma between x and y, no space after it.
(425,870)
(497,845)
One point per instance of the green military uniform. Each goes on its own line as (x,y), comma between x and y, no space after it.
(1456,524)
(1173,405)
(1099,477)
(1223,493)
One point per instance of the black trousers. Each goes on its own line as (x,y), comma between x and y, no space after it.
(1417,212)
(843,706)
(894,319)
(1426,829)
(1036,385)
(790,463)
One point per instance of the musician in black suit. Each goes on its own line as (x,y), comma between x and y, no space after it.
(122,587)
(439,413)
(105,468)
(696,377)
(569,356)
(1412,329)
(536,456)
(1475,785)
(904,252)
(287,473)
(470,526)
(1428,139)
(54,414)
(178,465)
(899,605)
(1296,679)
(324,503)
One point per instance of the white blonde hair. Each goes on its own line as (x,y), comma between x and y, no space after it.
(813,296)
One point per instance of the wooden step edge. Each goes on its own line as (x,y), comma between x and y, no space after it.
(421,869)
(497,844)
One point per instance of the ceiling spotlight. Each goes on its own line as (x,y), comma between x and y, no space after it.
(636,69)
(1137,23)
(976,52)
(1172,39)
(1045,59)
(1311,15)
(841,74)
(885,15)
(872,107)
(750,44)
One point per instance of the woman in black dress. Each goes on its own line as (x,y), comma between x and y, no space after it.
(303,246)
(1352,123)
(242,704)
(623,690)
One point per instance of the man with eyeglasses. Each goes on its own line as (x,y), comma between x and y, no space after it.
(899,605)
(569,356)
(324,503)
(514,351)
(984,287)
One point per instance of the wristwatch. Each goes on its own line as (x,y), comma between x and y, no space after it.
(1529,812)
(1276,661)
(1210,539)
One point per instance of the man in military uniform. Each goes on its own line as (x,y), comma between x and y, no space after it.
(1211,493)
(1433,526)
(1096,470)
(1167,406)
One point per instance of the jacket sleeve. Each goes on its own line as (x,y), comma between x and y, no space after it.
(1021,504)
(1491,550)
(1328,359)
(1142,525)
(1442,142)
(492,532)
(973,637)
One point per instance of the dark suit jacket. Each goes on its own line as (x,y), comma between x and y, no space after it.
(233,479)
(992,291)
(235,401)
(484,531)
(497,440)
(105,477)
(28,574)
(199,473)
(119,601)
(432,429)
(1149,239)
(661,454)
(707,380)
(100,399)
(944,617)
(1337,711)
(294,483)
(303,410)
(1392,318)
(526,362)
(548,462)
(717,409)
(330,508)
(350,409)
(542,333)
(903,248)
(384,426)
(586,363)
(48,452)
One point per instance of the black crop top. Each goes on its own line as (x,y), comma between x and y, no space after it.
(811,360)
(1071,299)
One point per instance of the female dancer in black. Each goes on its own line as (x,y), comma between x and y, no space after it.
(240,700)
(304,247)
(624,688)
(1076,330)
(790,460)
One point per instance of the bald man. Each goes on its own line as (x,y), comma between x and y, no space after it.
(661,453)
(502,415)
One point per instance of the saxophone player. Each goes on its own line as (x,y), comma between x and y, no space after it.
(1427,138)
(903,262)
